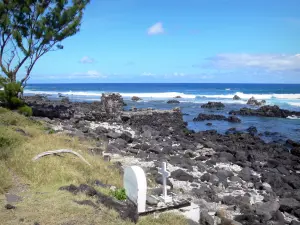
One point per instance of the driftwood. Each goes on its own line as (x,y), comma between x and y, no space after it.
(57,152)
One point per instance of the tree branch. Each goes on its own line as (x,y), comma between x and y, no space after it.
(3,44)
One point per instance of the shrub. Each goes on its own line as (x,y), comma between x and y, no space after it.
(9,96)
(25,110)
(119,194)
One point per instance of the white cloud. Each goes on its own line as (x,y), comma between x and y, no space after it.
(88,74)
(147,74)
(86,59)
(156,29)
(178,74)
(270,62)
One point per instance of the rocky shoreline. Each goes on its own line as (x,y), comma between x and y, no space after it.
(236,178)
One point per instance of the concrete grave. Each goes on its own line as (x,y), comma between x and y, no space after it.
(135,185)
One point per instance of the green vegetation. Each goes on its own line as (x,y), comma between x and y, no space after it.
(119,194)
(23,138)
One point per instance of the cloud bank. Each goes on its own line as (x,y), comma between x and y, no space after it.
(270,62)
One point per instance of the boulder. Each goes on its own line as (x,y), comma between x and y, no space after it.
(113,135)
(205,177)
(224,174)
(296,151)
(233,119)
(267,111)
(253,101)
(182,175)
(127,137)
(112,104)
(236,97)
(292,180)
(289,204)
(245,174)
(173,102)
(252,130)
(266,209)
(135,98)
(211,105)
(202,117)
(205,218)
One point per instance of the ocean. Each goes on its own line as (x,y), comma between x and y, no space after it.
(155,95)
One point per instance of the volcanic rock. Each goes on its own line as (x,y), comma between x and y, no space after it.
(236,97)
(267,111)
(211,105)
(173,102)
(135,98)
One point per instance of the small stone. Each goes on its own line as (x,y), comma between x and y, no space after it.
(106,158)
(9,206)
(151,200)
(267,187)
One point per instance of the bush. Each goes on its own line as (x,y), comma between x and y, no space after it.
(9,96)
(119,194)
(25,110)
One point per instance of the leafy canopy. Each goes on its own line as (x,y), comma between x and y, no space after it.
(31,28)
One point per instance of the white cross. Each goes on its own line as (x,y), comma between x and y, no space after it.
(165,174)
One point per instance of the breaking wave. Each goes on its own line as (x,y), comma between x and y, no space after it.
(167,95)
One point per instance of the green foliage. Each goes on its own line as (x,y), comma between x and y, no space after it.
(119,194)
(3,81)
(25,110)
(186,131)
(9,95)
(34,27)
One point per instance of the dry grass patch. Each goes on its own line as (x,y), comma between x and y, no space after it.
(5,178)
(63,169)
(59,207)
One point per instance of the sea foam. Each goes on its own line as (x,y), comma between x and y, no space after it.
(167,95)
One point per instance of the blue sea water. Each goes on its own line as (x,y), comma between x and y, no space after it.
(155,95)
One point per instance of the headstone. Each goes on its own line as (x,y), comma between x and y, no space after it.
(165,174)
(135,185)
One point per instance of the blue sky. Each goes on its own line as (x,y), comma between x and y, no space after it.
(255,41)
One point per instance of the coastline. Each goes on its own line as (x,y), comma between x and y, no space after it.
(217,171)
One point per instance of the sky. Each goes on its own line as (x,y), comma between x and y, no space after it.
(190,41)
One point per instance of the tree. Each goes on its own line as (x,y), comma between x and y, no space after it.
(31,28)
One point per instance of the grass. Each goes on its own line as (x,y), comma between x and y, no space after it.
(20,140)
(6,179)
(59,208)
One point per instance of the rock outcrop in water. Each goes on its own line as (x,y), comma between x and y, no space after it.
(236,97)
(136,98)
(173,101)
(202,117)
(210,105)
(267,111)
(253,101)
